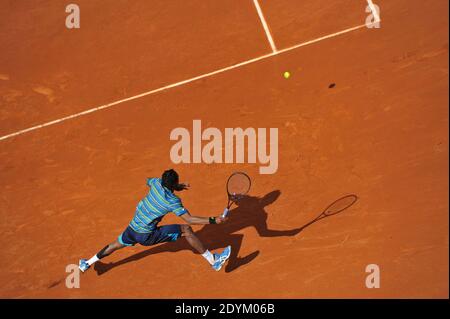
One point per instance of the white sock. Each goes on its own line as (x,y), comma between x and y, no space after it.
(93,260)
(209,257)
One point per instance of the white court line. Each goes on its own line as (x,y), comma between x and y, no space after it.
(374,10)
(234,66)
(265,26)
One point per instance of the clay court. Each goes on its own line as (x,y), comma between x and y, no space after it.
(381,133)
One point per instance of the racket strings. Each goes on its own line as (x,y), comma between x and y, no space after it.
(238,184)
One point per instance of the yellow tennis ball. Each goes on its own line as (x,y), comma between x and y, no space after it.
(287,75)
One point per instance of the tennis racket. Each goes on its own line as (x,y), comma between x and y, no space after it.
(238,185)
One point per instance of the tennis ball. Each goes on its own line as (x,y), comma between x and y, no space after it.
(287,75)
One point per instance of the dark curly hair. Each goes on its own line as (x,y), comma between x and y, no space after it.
(170,180)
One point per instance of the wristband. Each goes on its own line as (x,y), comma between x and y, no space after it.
(212,220)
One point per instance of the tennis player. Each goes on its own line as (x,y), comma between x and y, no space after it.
(144,229)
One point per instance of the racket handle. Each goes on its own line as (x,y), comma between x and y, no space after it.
(225,213)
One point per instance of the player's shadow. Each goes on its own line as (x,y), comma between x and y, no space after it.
(248,213)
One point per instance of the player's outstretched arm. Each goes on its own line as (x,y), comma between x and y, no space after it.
(198,220)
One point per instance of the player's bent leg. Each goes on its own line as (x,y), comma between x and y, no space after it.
(215,260)
(170,233)
(192,239)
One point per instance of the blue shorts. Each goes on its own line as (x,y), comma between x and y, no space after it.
(160,235)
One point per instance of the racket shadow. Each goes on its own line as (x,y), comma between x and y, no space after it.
(250,212)
(335,208)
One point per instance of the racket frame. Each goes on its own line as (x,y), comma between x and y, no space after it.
(230,196)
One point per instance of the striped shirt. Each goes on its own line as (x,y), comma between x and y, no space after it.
(158,202)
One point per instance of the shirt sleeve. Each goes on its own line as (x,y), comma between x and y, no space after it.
(178,208)
(150,181)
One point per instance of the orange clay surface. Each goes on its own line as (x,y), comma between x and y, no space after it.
(381,133)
